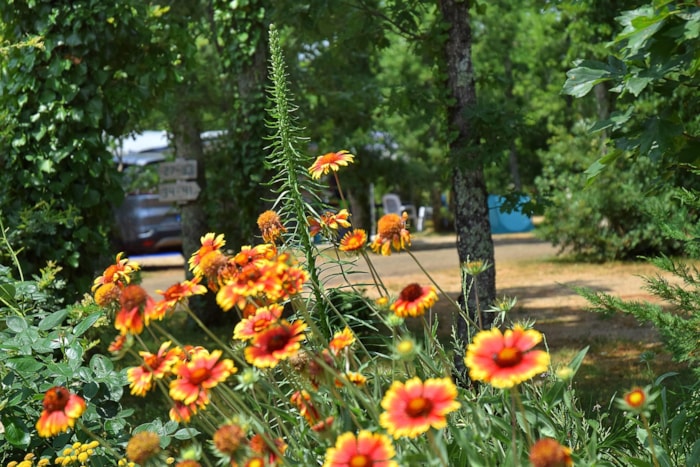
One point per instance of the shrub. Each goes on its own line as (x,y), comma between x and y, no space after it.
(612,218)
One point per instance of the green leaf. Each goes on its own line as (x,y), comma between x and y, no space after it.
(185,433)
(25,365)
(16,323)
(86,324)
(636,84)
(16,432)
(101,366)
(580,80)
(53,320)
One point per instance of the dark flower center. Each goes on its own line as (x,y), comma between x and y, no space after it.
(411,293)
(199,375)
(360,460)
(278,341)
(508,357)
(56,399)
(419,407)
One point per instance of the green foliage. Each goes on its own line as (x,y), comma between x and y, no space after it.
(44,345)
(613,219)
(654,61)
(60,102)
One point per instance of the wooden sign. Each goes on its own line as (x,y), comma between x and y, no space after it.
(179,169)
(178,191)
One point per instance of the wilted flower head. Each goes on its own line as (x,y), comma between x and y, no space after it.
(270,226)
(143,446)
(391,232)
(547,452)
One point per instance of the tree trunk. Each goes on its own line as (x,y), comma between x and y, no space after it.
(472,224)
(187,142)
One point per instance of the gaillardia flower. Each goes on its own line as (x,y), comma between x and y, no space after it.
(210,242)
(143,446)
(411,408)
(155,367)
(204,371)
(277,342)
(367,449)
(177,293)
(136,309)
(637,399)
(341,340)
(391,232)
(270,226)
(547,452)
(248,328)
(330,162)
(61,410)
(505,360)
(353,241)
(414,300)
(119,272)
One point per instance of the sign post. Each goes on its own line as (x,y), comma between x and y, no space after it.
(179,173)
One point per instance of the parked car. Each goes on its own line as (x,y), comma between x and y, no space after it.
(144,223)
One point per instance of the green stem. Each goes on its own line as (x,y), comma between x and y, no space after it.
(651,439)
(444,294)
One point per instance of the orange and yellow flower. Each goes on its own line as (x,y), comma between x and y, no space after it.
(367,449)
(119,272)
(411,408)
(107,294)
(505,360)
(136,309)
(352,377)
(210,242)
(177,293)
(204,371)
(182,413)
(391,232)
(414,300)
(547,452)
(637,399)
(329,222)
(61,410)
(264,451)
(307,409)
(270,226)
(331,161)
(155,366)
(341,340)
(353,241)
(249,327)
(277,342)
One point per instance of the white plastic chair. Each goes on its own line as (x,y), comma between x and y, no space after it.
(391,203)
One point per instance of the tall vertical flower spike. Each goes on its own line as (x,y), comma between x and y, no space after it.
(61,410)
(505,360)
(331,161)
(411,408)
(391,232)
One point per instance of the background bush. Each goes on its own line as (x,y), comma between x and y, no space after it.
(613,218)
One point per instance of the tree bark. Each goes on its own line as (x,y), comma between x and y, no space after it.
(474,242)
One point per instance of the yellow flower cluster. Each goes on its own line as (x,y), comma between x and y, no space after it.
(28,461)
(77,454)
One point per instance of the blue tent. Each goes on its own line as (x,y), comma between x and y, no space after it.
(507,222)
